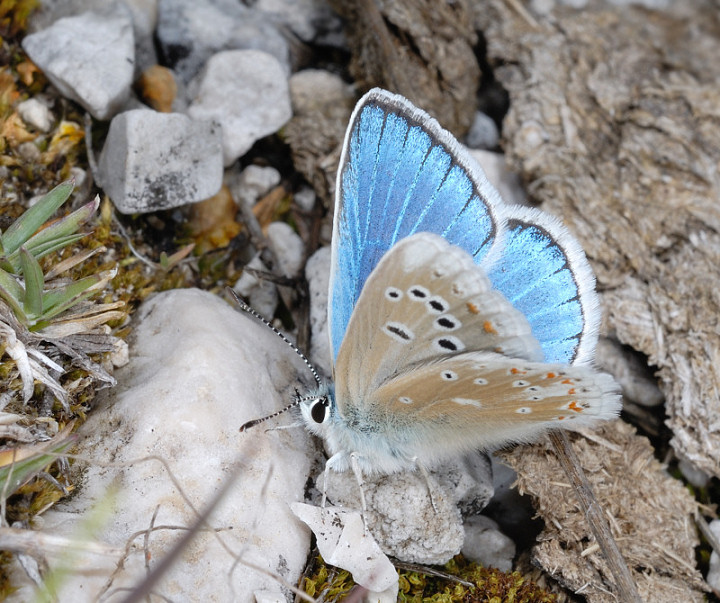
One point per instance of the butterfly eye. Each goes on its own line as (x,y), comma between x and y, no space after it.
(319,409)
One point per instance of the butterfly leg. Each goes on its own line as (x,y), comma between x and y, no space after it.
(358,476)
(428,481)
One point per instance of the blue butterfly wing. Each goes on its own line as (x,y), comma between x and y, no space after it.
(543,272)
(400,173)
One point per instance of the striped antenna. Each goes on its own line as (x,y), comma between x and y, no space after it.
(298,398)
(254,422)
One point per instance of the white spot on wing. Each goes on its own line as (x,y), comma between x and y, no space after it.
(467,402)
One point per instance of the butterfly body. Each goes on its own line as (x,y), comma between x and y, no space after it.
(457,323)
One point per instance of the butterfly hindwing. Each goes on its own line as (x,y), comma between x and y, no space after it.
(544,273)
(485,400)
(400,173)
(425,300)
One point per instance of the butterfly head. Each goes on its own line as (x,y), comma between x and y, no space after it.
(318,409)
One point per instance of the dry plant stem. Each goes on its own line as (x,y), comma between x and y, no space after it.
(429,571)
(707,533)
(145,588)
(625,585)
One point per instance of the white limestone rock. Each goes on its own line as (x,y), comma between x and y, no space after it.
(89,58)
(246,92)
(153,161)
(198,371)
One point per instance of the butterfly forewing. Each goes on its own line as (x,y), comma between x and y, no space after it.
(424,301)
(400,173)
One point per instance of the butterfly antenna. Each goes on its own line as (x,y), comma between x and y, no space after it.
(295,402)
(245,308)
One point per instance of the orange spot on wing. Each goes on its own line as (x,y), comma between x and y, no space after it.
(574,406)
(488,326)
(517,371)
(472,308)
(567,381)
(551,375)
(561,418)
(571,391)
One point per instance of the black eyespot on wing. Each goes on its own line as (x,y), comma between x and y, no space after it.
(447,344)
(396,330)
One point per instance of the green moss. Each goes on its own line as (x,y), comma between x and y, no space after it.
(491,585)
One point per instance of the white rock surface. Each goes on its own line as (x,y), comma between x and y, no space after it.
(309,20)
(638,382)
(312,87)
(317,273)
(261,294)
(246,92)
(470,480)
(36,114)
(199,370)
(305,198)
(483,133)
(190,32)
(153,161)
(713,577)
(89,58)
(288,248)
(254,182)
(487,545)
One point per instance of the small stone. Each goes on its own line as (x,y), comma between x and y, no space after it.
(470,479)
(305,198)
(313,88)
(153,161)
(713,576)
(487,545)
(288,248)
(28,151)
(255,182)
(89,58)
(246,91)
(190,32)
(400,515)
(212,221)
(631,371)
(483,133)
(317,273)
(691,473)
(158,88)
(261,294)
(310,20)
(35,114)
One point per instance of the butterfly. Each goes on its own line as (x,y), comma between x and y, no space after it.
(456,322)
